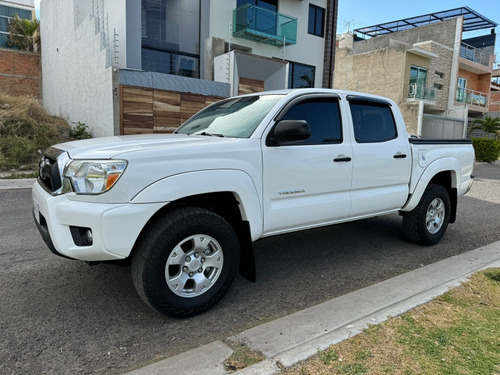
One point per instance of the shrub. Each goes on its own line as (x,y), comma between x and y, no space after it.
(23,34)
(3,161)
(18,151)
(80,131)
(487,150)
(25,128)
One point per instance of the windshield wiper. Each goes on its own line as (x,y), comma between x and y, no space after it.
(211,134)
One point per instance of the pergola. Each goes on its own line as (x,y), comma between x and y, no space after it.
(472,21)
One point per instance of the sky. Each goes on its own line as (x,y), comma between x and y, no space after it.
(37,8)
(361,13)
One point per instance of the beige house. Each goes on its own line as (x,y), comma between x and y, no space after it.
(438,78)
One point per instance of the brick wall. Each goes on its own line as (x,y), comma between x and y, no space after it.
(20,73)
(476,82)
(494,101)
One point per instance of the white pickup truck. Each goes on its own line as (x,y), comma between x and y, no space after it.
(184,208)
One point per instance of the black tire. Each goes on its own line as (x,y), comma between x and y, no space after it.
(194,228)
(424,230)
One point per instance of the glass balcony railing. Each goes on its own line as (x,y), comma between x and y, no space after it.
(467,96)
(474,54)
(264,26)
(420,92)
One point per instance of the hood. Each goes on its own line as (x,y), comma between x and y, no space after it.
(113,147)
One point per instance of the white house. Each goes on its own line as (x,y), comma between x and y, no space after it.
(113,64)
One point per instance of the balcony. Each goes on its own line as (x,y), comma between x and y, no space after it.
(472,97)
(264,26)
(420,92)
(475,59)
(474,54)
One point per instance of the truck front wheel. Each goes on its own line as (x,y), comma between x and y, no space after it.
(185,262)
(427,223)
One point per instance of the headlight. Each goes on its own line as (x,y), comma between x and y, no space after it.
(92,176)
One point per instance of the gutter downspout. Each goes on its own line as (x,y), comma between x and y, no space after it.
(330,43)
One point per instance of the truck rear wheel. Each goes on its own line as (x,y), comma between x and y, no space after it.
(427,223)
(185,262)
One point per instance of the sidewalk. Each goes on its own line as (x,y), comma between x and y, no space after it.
(296,337)
(22,183)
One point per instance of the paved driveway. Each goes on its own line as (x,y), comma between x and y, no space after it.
(62,316)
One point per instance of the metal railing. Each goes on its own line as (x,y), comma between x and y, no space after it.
(468,96)
(475,54)
(421,92)
(264,26)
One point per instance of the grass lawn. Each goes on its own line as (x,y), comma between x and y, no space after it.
(457,333)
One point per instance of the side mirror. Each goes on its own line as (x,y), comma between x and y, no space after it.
(290,131)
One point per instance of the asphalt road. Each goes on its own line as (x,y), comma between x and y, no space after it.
(62,316)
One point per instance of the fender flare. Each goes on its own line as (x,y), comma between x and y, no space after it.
(187,184)
(448,164)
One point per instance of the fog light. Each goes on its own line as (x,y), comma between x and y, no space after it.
(89,238)
(82,236)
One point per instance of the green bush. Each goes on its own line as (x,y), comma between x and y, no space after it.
(80,131)
(487,150)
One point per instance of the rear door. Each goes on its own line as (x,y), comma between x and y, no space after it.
(307,183)
(381,158)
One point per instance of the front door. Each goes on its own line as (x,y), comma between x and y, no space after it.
(307,183)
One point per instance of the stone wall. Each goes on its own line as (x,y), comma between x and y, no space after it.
(383,78)
(20,73)
(440,32)
(439,73)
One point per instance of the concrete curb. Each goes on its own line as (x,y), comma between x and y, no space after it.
(205,360)
(297,337)
(21,183)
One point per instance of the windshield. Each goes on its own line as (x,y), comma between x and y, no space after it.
(236,117)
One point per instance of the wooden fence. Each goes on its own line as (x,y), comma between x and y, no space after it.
(150,111)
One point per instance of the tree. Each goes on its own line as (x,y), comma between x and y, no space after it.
(23,34)
(489,125)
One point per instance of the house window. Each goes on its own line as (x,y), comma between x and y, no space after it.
(262,20)
(461,87)
(170,36)
(418,76)
(316,20)
(271,5)
(418,82)
(300,75)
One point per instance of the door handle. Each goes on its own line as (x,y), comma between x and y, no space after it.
(399,156)
(336,160)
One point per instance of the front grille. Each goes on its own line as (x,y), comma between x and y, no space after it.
(49,175)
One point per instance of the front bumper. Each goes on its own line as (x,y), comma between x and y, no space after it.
(115,227)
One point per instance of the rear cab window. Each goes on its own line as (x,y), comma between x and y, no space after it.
(373,120)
